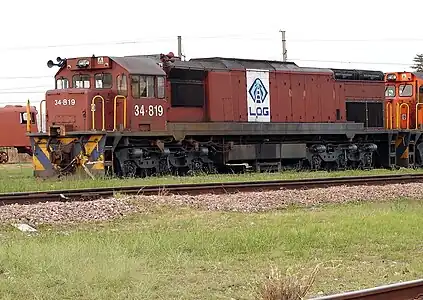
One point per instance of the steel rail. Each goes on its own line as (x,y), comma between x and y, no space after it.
(410,290)
(202,188)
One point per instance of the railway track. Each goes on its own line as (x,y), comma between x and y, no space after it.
(195,189)
(410,290)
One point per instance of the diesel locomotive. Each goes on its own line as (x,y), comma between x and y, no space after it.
(157,114)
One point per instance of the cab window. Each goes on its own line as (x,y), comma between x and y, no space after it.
(23,117)
(405,90)
(390,91)
(103,81)
(142,86)
(62,83)
(160,87)
(81,81)
(122,86)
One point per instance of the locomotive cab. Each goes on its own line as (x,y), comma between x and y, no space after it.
(83,96)
(107,94)
(404,100)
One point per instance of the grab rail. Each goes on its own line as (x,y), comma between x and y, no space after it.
(417,114)
(407,115)
(28,116)
(102,112)
(389,111)
(41,114)
(115,109)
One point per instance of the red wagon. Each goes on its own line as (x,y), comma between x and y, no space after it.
(13,124)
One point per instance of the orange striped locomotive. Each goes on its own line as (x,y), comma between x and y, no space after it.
(157,114)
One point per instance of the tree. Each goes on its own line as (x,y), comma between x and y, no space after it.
(418,63)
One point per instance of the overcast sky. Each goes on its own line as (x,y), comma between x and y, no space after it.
(377,35)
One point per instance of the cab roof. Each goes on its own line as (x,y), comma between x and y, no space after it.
(139,65)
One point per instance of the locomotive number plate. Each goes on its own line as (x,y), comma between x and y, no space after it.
(149,110)
(66,102)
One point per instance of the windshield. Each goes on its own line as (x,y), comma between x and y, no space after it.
(390,91)
(405,90)
(81,81)
(62,83)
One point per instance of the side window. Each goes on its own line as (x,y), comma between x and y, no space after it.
(160,87)
(62,83)
(103,81)
(122,86)
(81,81)
(23,118)
(135,86)
(142,86)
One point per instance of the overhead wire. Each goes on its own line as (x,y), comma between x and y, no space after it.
(249,36)
(290,59)
(24,77)
(262,36)
(25,87)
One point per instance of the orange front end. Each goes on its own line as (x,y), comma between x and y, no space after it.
(403,95)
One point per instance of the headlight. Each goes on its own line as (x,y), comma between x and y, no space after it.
(391,77)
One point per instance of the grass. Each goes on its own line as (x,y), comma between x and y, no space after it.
(189,254)
(19,178)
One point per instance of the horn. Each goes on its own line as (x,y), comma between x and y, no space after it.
(50,63)
(58,59)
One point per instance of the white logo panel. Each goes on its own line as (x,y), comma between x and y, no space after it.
(258,95)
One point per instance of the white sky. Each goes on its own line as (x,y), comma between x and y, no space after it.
(379,35)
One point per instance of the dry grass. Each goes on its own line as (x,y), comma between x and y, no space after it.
(285,286)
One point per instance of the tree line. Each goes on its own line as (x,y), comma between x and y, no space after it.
(418,63)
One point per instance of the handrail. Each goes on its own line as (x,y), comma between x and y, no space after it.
(115,108)
(417,114)
(389,120)
(102,112)
(28,116)
(397,115)
(41,114)
(407,116)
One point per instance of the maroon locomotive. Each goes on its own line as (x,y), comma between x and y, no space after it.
(157,114)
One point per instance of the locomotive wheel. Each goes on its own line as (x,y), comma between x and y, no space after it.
(129,169)
(4,157)
(196,167)
(164,167)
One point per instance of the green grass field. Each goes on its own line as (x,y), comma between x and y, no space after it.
(190,254)
(19,178)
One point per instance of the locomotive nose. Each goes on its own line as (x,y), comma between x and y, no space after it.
(67,109)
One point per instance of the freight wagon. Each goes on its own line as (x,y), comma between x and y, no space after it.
(13,124)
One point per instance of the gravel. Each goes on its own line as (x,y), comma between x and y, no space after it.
(66,212)
(105,209)
(272,200)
